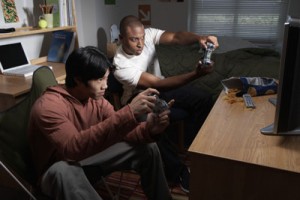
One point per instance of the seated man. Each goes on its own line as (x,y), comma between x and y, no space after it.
(76,137)
(137,68)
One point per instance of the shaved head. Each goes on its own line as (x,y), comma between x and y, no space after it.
(129,21)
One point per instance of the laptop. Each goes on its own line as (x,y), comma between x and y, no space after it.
(14,62)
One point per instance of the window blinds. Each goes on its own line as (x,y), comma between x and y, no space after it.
(258,21)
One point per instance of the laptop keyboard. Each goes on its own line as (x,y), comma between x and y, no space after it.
(23,70)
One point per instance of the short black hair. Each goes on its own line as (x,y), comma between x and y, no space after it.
(86,63)
(129,20)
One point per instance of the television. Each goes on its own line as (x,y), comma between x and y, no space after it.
(287,114)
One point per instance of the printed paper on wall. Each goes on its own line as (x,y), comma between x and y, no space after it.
(9,11)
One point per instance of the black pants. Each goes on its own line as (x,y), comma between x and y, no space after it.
(192,105)
(196,104)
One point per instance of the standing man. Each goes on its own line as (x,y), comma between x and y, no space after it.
(137,68)
(76,137)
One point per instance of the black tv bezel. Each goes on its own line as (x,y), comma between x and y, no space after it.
(287,115)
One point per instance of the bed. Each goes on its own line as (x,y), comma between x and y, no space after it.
(234,58)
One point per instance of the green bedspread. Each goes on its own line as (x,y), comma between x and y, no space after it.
(249,62)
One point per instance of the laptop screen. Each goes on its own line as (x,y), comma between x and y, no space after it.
(12,55)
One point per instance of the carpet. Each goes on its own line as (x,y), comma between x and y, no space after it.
(127,185)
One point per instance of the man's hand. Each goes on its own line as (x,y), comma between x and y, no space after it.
(143,103)
(202,69)
(204,39)
(157,123)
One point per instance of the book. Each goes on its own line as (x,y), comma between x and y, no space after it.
(63,12)
(70,12)
(62,44)
(55,11)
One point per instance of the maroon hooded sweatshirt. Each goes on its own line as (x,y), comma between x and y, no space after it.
(63,128)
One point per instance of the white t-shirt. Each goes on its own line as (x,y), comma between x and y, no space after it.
(130,67)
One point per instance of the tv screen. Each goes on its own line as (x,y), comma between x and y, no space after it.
(287,114)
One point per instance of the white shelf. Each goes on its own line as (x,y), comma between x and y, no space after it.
(32,31)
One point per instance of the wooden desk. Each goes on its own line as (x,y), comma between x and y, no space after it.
(231,159)
(13,89)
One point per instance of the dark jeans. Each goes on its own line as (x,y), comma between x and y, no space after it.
(191,105)
(194,103)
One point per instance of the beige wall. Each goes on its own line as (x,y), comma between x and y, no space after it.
(95,18)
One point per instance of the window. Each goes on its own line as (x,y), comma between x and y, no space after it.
(258,21)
